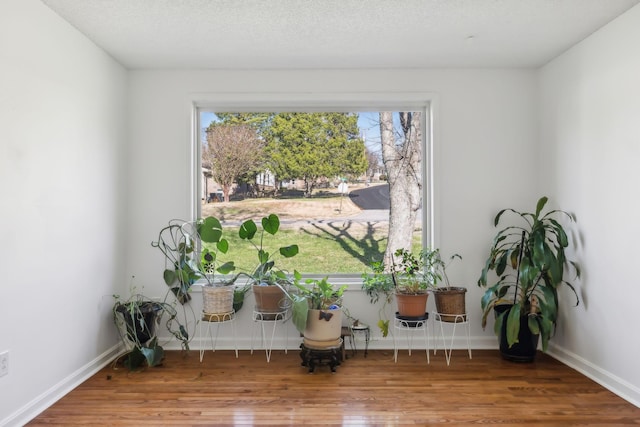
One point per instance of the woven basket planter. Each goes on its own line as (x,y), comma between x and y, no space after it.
(450,301)
(217,299)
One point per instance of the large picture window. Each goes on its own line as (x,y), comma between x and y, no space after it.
(326,175)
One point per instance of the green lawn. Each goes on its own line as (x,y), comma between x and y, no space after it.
(334,246)
(322,249)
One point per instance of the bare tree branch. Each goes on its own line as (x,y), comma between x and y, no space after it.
(231,151)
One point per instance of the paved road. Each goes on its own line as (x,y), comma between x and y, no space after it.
(374,202)
(371,198)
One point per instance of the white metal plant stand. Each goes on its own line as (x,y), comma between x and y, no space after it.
(411,327)
(264,320)
(458,319)
(216,319)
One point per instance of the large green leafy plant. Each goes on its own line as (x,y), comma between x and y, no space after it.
(191,251)
(530,264)
(265,272)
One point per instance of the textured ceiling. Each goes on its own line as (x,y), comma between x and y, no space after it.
(286,34)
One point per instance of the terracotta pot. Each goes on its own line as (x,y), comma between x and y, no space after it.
(269,299)
(411,305)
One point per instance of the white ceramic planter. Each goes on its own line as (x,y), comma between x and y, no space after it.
(323,326)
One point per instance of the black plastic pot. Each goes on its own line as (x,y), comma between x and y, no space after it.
(141,321)
(238,299)
(525,349)
(412,321)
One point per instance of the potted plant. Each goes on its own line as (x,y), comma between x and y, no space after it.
(414,274)
(191,250)
(136,320)
(529,261)
(408,278)
(379,285)
(317,310)
(269,298)
(205,235)
(450,300)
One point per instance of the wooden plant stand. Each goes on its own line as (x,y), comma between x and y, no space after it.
(314,356)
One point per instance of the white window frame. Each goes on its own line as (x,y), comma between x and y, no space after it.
(240,102)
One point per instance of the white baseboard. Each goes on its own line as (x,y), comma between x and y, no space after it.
(56,392)
(293,343)
(613,383)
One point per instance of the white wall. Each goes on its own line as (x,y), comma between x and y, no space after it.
(86,205)
(62,141)
(590,146)
(485,122)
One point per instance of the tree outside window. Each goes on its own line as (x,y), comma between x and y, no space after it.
(292,163)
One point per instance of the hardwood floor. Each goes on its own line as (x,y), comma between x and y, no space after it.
(223,390)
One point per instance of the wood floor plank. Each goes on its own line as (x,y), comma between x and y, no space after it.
(223,390)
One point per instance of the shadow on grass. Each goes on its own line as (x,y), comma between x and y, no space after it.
(365,249)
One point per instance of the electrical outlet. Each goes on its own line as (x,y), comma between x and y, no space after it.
(4,363)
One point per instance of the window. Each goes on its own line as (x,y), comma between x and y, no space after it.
(337,213)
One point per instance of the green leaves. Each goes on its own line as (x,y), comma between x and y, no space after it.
(223,246)
(384,327)
(310,145)
(226,268)
(210,230)
(299,313)
(546,328)
(532,323)
(153,353)
(529,261)
(316,294)
(270,225)
(170,277)
(248,230)
(191,253)
(540,205)
(513,324)
(497,326)
(263,256)
(289,251)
